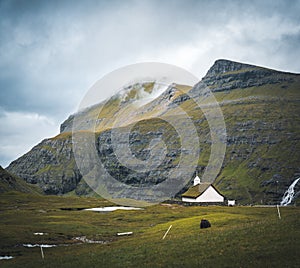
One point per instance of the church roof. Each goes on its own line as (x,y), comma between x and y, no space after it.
(198,190)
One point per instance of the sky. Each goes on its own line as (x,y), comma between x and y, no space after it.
(52,52)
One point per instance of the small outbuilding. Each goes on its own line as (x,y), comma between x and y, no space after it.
(202,193)
(231,203)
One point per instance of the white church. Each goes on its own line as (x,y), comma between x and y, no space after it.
(202,193)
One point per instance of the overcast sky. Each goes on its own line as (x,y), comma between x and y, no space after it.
(52,52)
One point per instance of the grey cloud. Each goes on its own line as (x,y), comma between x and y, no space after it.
(52,51)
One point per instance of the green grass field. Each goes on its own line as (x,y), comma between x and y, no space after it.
(239,236)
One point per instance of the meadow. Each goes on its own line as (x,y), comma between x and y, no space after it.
(239,236)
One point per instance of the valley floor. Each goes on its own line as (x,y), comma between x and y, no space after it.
(238,237)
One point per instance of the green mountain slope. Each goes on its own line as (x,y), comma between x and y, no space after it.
(261,111)
(10,182)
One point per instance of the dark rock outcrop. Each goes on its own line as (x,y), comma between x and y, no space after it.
(50,165)
(204,224)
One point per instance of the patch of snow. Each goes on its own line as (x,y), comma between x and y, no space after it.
(6,257)
(89,241)
(39,245)
(40,233)
(109,209)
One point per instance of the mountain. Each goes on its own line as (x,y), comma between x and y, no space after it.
(261,111)
(10,182)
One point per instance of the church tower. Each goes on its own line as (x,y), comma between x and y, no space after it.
(196,180)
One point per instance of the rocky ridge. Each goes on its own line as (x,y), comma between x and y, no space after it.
(227,75)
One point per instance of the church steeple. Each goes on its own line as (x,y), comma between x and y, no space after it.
(196,180)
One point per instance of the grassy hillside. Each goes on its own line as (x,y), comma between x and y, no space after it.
(263,128)
(239,236)
(10,182)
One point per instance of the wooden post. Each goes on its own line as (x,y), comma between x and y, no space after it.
(126,233)
(279,216)
(42,252)
(167,232)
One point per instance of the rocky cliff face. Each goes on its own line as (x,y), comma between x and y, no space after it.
(261,111)
(50,165)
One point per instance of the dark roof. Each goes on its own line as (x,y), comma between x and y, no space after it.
(198,190)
